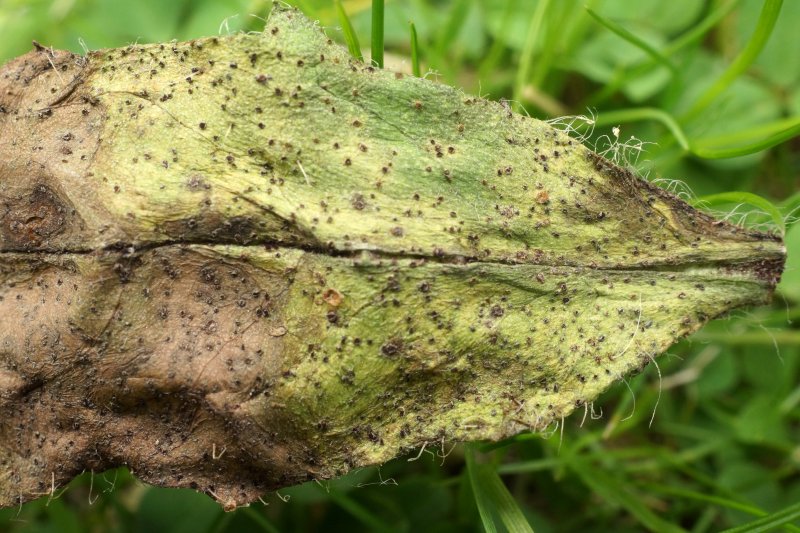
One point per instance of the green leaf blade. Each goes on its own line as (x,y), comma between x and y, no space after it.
(377,32)
(350,37)
(492,498)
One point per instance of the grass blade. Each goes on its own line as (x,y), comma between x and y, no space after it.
(526,59)
(766,22)
(754,132)
(414,51)
(750,338)
(526,467)
(558,17)
(739,197)
(377,33)
(358,511)
(646,113)
(489,62)
(791,209)
(613,491)
(492,498)
(769,523)
(646,65)
(724,502)
(699,30)
(766,135)
(634,40)
(455,21)
(710,152)
(708,498)
(481,499)
(260,520)
(349,33)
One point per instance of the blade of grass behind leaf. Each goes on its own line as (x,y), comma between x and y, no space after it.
(791,209)
(490,60)
(526,58)
(708,498)
(455,21)
(357,510)
(700,29)
(258,519)
(377,33)
(414,51)
(766,23)
(492,498)
(481,499)
(613,491)
(746,136)
(646,113)
(349,34)
(717,500)
(634,40)
(697,32)
(709,148)
(771,522)
(708,151)
(556,21)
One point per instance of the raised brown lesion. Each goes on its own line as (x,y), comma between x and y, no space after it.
(28,221)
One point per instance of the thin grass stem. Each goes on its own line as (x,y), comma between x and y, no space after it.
(634,40)
(415,69)
(647,113)
(377,33)
(766,23)
(350,37)
(526,59)
(707,150)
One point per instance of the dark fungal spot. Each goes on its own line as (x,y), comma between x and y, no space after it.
(392,347)
(358,202)
(30,220)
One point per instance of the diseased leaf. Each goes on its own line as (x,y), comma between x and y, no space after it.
(242,262)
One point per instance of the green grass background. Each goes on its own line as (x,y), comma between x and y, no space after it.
(713,87)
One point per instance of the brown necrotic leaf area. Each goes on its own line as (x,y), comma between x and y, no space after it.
(143,361)
(239,263)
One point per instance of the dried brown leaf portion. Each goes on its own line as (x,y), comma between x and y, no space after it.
(144,361)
